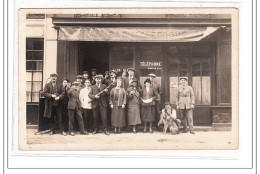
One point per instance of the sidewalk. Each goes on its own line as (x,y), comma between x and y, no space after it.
(203,139)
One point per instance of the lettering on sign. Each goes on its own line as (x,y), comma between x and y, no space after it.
(150,64)
(97,15)
(208,16)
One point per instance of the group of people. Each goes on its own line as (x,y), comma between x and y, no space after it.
(119,101)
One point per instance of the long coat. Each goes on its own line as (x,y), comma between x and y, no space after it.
(73,95)
(133,107)
(103,99)
(49,101)
(185,97)
(148,95)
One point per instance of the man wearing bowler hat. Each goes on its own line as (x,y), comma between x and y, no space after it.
(185,102)
(53,94)
(98,93)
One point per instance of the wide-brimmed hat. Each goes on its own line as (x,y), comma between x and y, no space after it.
(151,75)
(147,80)
(53,74)
(79,77)
(185,78)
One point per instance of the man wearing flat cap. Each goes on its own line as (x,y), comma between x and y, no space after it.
(85,76)
(128,80)
(53,94)
(80,79)
(93,74)
(74,107)
(157,88)
(185,102)
(98,93)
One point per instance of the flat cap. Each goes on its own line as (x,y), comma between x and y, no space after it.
(93,70)
(99,76)
(151,75)
(184,78)
(75,83)
(113,71)
(53,74)
(79,77)
(130,69)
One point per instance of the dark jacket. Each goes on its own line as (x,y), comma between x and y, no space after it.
(103,97)
(49,101)
(148,95)
(73,95)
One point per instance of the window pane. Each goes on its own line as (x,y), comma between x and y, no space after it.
(205,68)
(173,64)
(196,84)
(35,97)
(29,65)
(38,65)
(173,89)
(38,55)
(206,90)
(37,86)
(29,55)
(37,76)
(29,44)
(28,97)
(196,69)
(28,76)
(28,86)
(183,67)
(38,44)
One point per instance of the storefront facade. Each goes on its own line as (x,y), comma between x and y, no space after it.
(170,46)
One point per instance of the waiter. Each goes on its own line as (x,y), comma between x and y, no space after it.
(185,102)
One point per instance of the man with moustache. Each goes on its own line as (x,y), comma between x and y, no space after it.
(98,93)
(185,102)
(53,94)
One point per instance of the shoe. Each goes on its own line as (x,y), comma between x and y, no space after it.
(51,133)
(134,131)
(185,131)
(106,132)
(84,133)
(95,132)
(72,134)
(115,131)
(119,131)
(145,130)
(192,132)
(151,131)
(63,133)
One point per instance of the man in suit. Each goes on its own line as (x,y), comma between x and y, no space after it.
(157,88)
(53,94)
(93,74)
(98,93)
(131,77)
(64,103)
(80,79)
(74,106)
(85,76)
(185,102)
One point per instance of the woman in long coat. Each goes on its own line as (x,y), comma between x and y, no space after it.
(148,96)
(133,109)
(117,104)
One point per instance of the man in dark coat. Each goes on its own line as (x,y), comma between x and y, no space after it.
(98,93)
(64,103)
(80,79)
(85,76)
(53,94)
(93,74)
(128,80)
(185,102)
(74,106)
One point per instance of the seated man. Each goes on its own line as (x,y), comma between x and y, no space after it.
(169,120)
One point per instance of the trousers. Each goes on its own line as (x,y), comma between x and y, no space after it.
(56,116)
(71,112)
(87,118)
(101,111)
(187,118)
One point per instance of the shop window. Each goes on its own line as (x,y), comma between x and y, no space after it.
(34,68)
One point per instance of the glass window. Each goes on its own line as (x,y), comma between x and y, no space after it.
(34,67)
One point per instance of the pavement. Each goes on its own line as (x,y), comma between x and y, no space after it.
(203,139)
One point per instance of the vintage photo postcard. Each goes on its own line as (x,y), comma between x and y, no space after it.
(128,79)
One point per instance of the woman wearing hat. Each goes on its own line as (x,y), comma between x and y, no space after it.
(117,104)
(133,106)
(148,96)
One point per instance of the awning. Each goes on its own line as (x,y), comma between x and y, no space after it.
(135,34)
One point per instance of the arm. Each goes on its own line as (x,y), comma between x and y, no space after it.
(173,114)
(91,95)
(111,97)
(124,93)
(81,96)
(46,92)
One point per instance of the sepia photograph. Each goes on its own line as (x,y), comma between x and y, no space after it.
(128,79)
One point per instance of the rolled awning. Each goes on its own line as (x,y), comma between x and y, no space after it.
(134,34)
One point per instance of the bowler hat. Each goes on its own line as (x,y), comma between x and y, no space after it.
(79,77)
(148,80)
(151,75)
(54,74)
(184,78)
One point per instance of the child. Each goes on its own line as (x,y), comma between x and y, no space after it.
(169,120)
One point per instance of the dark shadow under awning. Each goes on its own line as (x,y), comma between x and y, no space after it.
(135,34)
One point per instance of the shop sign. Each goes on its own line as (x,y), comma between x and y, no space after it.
(150,65)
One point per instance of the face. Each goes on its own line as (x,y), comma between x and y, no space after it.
(131,73)
(112,74)
(85,76)
(54,78)
(87,83)
(183,82)
(152,78)
(79,80)
(147,84)
(167,107)
(94,73)
(119,83)
(65,83)
(98,80)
